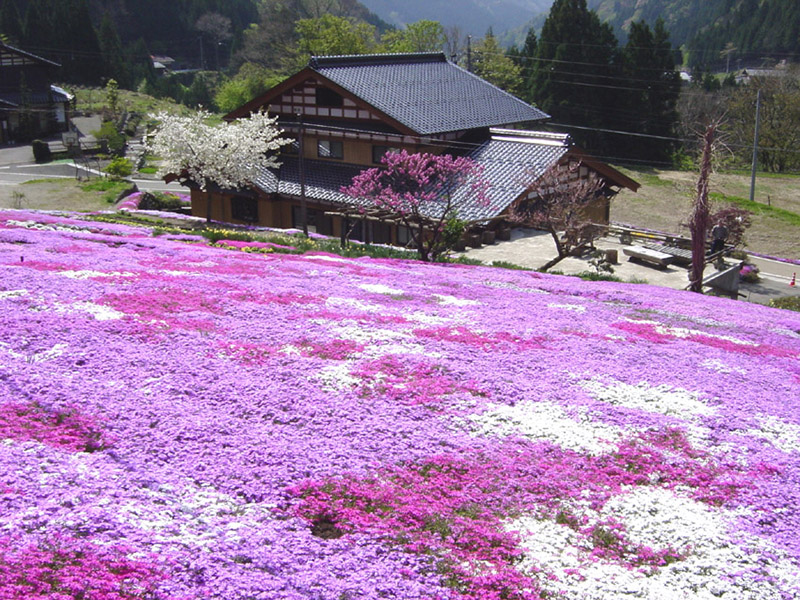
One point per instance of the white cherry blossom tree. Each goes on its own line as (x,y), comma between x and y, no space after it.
(228,155)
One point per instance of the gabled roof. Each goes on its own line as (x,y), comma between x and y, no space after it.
(512,160)
(420,94)
(55,95)
(5,48)
(425,92)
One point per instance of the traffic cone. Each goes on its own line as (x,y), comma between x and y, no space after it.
(794,276)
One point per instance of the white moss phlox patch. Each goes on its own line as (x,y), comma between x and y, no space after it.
(573,307)
(661,399)
(89,274)
(379,288)
(783,435)
(454,301)
(548,421)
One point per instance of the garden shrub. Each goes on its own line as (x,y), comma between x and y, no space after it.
(41,151)
(119,167)
(113,139)
(160,201)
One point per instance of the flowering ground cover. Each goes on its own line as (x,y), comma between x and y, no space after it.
(185,420)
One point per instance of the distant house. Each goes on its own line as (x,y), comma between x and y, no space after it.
(30,105)
(354,109)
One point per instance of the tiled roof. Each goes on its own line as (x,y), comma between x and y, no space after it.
(511,160)
(425,92)
(323,180)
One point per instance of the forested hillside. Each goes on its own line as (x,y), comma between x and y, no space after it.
(472,17)
(95,39)
(754,28)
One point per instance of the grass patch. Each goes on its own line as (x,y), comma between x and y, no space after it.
(646,176)
(762,174)
(593,276)
(47,180)
(503,264)
(108,189)
(787,303)
(94,100)
(786,216)
(149,170)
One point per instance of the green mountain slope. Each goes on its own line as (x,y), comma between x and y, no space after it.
(755,28)
(472,16)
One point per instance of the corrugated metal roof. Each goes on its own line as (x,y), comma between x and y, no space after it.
(511,161)
(425,92)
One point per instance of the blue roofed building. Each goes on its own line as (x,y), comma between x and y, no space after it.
(346,112)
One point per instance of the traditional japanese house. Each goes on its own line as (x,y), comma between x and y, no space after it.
(30,105)
(346,112)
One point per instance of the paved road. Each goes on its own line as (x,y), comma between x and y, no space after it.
(16,174)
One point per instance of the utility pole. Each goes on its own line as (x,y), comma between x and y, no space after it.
(755,149)
(301,168)
(469,53)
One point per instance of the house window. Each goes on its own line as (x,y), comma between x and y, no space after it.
(244,209)
(378,152)
(327,97)
(403,235)
(330,149)
(314,217)
(381,233)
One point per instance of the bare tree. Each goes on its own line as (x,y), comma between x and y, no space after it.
(454,41)
(557,203)
(217,28)
(700,215)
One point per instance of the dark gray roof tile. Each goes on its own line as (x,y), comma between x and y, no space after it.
(426,92)
(511,161)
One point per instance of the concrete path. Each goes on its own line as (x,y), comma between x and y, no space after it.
(532,249)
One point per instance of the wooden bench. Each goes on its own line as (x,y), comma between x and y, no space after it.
(680,256)
(648,256)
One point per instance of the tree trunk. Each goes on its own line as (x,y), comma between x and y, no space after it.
(421,247)
(700,216)
(552,263)
(559,248)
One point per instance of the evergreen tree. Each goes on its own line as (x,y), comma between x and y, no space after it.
(114,63)
(82,61)
(525,60)
(38,29)
(140,64)
(10,23)
(576,61)
(652,90)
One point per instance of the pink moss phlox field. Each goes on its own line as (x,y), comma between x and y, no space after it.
(66,568)
(183,421)
(63,428)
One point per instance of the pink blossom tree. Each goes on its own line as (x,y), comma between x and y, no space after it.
(424,192)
